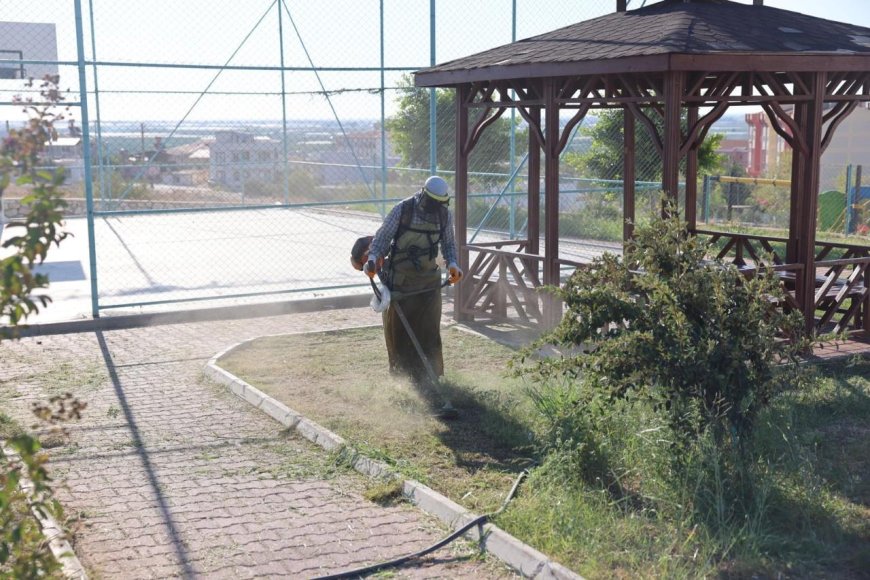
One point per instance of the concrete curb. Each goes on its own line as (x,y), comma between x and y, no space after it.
(198,315)
(60,547)
(523,558)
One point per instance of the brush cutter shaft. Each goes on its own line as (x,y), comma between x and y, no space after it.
(426,364)
(430,372)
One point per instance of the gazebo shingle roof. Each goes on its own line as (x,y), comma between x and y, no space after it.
(698,27)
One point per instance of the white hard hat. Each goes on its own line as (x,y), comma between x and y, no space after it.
(436,188)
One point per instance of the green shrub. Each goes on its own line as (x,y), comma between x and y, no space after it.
(697,339)
(24,553)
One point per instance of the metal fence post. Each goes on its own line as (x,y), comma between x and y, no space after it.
(850,199)
(98,124)
(383,121)
(433,96)
(513,143)
(86,138)
(283,110)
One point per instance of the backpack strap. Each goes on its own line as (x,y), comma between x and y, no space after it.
(405,226)
(405,219)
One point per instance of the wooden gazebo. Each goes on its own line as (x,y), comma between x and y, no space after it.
(703,56)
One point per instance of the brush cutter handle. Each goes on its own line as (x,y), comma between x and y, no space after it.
(375,288)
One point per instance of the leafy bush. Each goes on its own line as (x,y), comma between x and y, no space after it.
(665,363)
(698,339)
(19,156)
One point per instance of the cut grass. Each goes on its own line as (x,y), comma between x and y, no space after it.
(77,377)
(341,380)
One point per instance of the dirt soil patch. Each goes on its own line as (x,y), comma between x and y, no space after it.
(340,379)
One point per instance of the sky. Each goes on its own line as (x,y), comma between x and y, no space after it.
(323,33)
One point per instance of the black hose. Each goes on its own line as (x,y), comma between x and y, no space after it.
(478,521)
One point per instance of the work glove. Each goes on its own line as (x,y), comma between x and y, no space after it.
(455,274)
(370,269)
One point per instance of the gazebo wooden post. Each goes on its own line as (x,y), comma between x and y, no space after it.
(534,164)
(671,137)
(460,189)
(692,176)
(810,120)
(552,307)
(629,174)
(796,199)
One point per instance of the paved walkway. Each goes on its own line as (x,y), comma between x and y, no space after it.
(173,477)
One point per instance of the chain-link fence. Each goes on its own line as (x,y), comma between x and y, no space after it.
(762,204)
(235,150)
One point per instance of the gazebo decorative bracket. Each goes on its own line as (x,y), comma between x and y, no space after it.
(793,136)
(486,118)
(569,127)
(836,116)
(841,85)
(650,125)
(641,116)
(698,132)
(481,96)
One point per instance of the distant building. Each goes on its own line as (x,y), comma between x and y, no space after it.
(850,145)
(64,148)
(736,150)
(348,158)
(189,155)
(68,152)
(765,146)
(236,157)
(187,164)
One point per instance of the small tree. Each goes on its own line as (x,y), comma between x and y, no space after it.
(20,156)
(23,551)
(410,131)
(604,157)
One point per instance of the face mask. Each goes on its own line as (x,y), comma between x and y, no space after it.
(431,206)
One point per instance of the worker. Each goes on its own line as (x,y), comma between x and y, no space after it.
(403,253)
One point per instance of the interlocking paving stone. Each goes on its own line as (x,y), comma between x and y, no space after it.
(174,477)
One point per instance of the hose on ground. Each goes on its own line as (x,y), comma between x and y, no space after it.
(478,521)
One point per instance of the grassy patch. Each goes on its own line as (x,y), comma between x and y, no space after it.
(808,515)
(341,380)
(9,427)
(810,509)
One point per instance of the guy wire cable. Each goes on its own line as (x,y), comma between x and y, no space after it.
(478,521)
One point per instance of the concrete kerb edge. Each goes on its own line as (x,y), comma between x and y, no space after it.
(521,557)
(60,547)
(194,315)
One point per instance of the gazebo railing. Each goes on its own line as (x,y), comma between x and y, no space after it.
(825,249)
(501,276)
(842,298)
(503,280)
(745,249)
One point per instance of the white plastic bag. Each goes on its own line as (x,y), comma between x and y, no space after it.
(382,304)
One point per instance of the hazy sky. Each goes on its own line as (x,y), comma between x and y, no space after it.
(327,33)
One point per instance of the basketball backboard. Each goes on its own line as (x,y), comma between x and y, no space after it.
(27,49)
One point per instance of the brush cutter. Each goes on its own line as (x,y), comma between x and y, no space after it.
(380,303)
